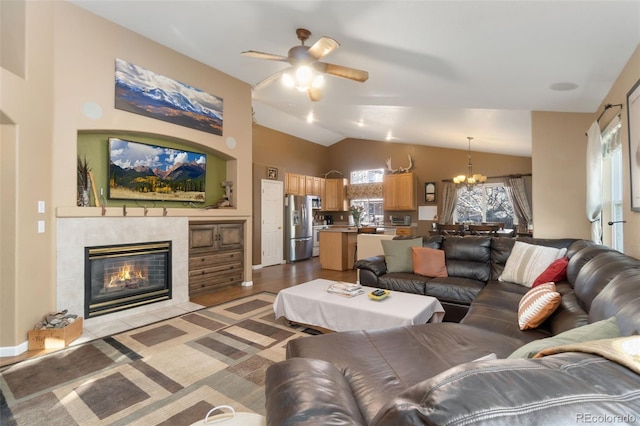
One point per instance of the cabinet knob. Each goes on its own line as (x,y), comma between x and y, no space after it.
(202,273)
(202,259)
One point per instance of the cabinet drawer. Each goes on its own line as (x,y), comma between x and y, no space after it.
(206,260)
(237,266)
(208,282)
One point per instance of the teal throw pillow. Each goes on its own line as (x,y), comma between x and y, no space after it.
(398,254)
(605,329)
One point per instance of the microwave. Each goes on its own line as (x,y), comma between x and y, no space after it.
(316,203)
(401,220)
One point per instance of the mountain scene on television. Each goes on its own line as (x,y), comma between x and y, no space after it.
(140,171)
(144,92)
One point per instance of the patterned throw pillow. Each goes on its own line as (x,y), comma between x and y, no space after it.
(429,262)
(527,261)
(537,304)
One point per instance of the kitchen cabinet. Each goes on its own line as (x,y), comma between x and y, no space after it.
(308,185)
(337,249)
(216,255)
(335,195)
(295,184)
(399,192)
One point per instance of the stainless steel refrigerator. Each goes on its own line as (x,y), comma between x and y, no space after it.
(299,227)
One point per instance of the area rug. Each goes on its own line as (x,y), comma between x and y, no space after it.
(167,373)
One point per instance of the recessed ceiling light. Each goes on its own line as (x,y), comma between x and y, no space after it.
(389,137)
(360,123)
(310,117)
(563,86)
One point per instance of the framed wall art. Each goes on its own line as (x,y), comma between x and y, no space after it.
(430,192)
(272,173)
(144,92)
(633,119)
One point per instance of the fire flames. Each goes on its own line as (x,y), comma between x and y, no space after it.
(128,276)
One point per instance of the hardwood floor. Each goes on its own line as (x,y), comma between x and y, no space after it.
(275,278)
(272,279)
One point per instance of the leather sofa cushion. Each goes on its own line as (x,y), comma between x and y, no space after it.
(468,257)
(551,390)
(381,363)
(577,261)
(496,308)
(598,272)
(403,281)
(570,314)
(453,289)
(621,297)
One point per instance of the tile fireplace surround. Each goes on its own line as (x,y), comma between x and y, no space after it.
(74,234)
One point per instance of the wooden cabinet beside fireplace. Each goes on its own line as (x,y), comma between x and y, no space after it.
(216,255)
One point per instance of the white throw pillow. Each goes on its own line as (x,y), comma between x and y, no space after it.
(527,261)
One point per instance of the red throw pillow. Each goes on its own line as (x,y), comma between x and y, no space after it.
(557,271)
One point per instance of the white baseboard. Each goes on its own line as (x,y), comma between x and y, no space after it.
(14,350)
(247,283)
(254,267)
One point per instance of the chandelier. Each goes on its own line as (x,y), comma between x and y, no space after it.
(470,179)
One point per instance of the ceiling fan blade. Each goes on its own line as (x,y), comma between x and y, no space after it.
(315,94)
(262,55)
(323,47)
(340,71)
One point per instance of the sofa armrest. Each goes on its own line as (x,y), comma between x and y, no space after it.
(303,391)
(375,264)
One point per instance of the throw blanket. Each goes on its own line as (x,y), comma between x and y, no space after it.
(623,350)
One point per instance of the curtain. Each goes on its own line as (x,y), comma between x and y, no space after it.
(518,194)
(611,140)
(594,181)
(449,200)
(364,190)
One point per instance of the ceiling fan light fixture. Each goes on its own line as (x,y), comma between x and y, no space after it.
(318,81)
(288,80)
(304,76)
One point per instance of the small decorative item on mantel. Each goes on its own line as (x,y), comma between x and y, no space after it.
(356,212)
(83,182)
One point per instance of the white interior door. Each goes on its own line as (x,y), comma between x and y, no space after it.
(272,207)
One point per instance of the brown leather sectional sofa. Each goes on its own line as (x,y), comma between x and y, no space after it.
(430,373)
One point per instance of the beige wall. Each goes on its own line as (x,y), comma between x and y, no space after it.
(618,95)
(71,60)
(559,162)
(26,272)
(559,149)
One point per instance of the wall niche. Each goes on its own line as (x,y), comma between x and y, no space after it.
(93,147)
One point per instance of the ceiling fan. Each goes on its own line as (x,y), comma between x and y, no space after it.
(306,60)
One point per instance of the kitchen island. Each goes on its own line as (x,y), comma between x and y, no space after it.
(337,248)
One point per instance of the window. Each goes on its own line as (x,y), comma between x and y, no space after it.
(365,190)
(612,235)
(486,203)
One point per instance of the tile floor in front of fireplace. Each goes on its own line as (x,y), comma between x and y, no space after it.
(95,328)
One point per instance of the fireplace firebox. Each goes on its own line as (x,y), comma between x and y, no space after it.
(124,276)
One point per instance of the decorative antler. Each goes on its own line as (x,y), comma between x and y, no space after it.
(406,169)
(389,169)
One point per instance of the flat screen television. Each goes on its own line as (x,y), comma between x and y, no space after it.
(145,172)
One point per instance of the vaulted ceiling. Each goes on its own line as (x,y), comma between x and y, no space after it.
(439,71)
